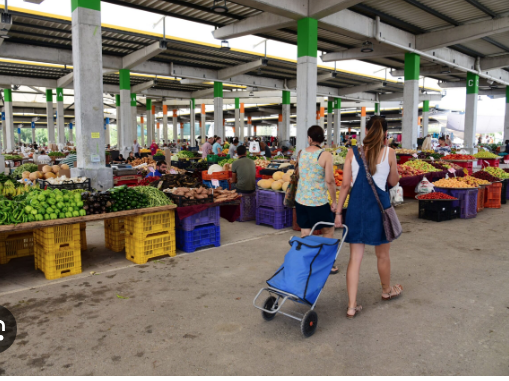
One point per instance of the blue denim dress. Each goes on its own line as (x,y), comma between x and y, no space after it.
(364,218)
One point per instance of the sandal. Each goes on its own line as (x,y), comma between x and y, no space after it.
(394,292)
(356,309)
(334,271)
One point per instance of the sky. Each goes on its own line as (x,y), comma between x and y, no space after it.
(136,19)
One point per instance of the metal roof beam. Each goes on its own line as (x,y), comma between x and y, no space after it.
(136,89)
(5,24)
(462,33)
(256,94)
(202,93)
(462,83)
(28,81)
(482,8)
(361,88)
(295,9)
(399,97)
(246,101)
(379,51)
(430,71)
(136,58)
(65,80)
(262,23)
(499,62)
(322,8)
(233,71)
(493,92)
(292,83)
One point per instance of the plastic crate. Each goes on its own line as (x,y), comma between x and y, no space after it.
(469,165)
(205,217)
(276,219)
(114,234)
(83,236)
(467,200)
(437,211)
(141,226)
(296,227)
(270,199)
(200,237)
(493,196)
(57,264)
(54,237)
(222,183)
(503,198)
(455,212)
(480,198)
(184,201)
(16,245)
(247,207)
(115,224)
(157,245)
(213,159)
(69,185)
(488,163)
(222,175)
(404,158)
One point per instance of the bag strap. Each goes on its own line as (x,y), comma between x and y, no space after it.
(370,178)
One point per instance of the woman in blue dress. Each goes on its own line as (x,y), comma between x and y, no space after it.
(364,218)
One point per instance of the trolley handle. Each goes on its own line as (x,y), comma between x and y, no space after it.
(345,228)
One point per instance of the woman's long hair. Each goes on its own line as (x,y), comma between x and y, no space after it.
(374,141)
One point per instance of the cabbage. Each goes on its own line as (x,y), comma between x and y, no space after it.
(215,168)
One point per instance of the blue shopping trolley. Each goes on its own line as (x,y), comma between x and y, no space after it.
(302,277)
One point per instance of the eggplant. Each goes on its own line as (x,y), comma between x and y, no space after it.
(97,212)
(85,196)
(85,207)
(97,205)
(95,194)
(91,199)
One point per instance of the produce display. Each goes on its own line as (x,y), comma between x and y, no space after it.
(4,178)
(486,155)
(485,176)
(457,156)
(28,167)
(223,195)
(225,161)
(406,171)
(473,181)
(452,183)
(435,196)
(48,172)
(338,177)
(189,196)
(199,166)
(347,200)
(13,157)
(62,180)
(337,159)
(421,166)
(279,182)
(497,172)
(262,163)
(429,154)
(186,155)
(145,160)
(10,191)
(56,154)
(179,181)
(449,164)
(441,167)
(153,196)
(53,204)
(404,151)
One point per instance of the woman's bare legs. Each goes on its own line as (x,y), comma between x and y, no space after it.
(384,266)
(352,273)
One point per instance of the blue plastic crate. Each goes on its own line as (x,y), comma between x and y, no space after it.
(247,207)
(276,219)
(200,237)
(270,199)
(205,217)
(222,183)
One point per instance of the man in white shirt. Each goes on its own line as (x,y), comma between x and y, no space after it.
(43,158)
(136,149)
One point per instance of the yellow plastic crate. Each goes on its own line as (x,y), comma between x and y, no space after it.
(57,264)
(52,238)
(115,241)
(140,227)
(115,224)
(140,251)
(16,245)
(83,239)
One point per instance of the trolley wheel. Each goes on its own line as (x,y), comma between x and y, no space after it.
(270,303)
(309,323)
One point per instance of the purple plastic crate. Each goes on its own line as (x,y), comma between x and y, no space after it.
(205,217)
(467,200)
(270,199)
(247,207)
(277,219)
(203,236)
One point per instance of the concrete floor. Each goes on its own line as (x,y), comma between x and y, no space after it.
(193,314)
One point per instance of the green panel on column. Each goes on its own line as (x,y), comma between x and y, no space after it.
(307,37)
(60,94)
(507,94)
(133,100)
(330,105)
(125,79)
(412,66)
(90,4)
(117,99)
(472,83)
(377,108)
(425,106)
(218,89)
(286,97)
(337,104)
(49,95)
(237,103)
(149,104)
(8,95)
(193,103)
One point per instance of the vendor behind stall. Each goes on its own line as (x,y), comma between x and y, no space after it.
(233,148)
(265,150)
(244,172)
(161,168)
(443,148)
(130,158)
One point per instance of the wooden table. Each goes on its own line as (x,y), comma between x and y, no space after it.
(77,220)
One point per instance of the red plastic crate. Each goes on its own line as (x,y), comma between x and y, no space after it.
(493,196)
(223,175)
(404,158)
(488,163)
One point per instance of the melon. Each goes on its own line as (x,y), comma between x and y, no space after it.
(265,184)
(25,175)
(64,166)
(39,174)
(46,169)
(285,186)
(290,172)
(55,169)
(276,185)
(287,178)
(33,176)
(277,175)
(49,175)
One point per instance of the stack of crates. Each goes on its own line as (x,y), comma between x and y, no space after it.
(480,198)
(436,210)
(16,245)
(467,201)
(199,230)
(114,234)
(150,235)
(270,209)
(83,236)
(57,250)
(247,207)
(493,196)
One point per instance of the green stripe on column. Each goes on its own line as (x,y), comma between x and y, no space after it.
(425,106)
(412,66)
(329,107)
(218,89)
(377,108)
(95,5)
(8,95)
(149,104)
(125,79)
(193,104)
(133,100)
(507,94)
(60,94)
(286,97)
(237,103)
(307,37)
(472,83)
(337,103)
(49,95)
(117,99)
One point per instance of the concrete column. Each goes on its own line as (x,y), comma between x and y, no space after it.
(128,133)
(60,116)
(237,118)
(49,116)
(9,122)
(134,121)
(33,132)
(71,137)
(241,124)
(203,124)
(425,118)
(280,127)
(506,119)
(175,125)
(149,121)
(363,126)
(254,130)
(471,110)
(181,133)
(218,110)
(286,115)
(377,108)
(307,41)
(337,121)
(142,136)
(119,119)
(411,101)
(153,124)
(250,132)
(88,95)
(4,136)
(165,123)
(330,117)
(192,126)
(107,131)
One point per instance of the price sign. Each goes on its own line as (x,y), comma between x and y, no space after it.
(151,170)
(465,171)
(432,159)
(173,172)
(506,161)
(415,155)
(487,163)
(95,158)
(215,183)
(96,135)
(452,170)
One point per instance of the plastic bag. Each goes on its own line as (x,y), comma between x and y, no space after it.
(396,194)
(424,187)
